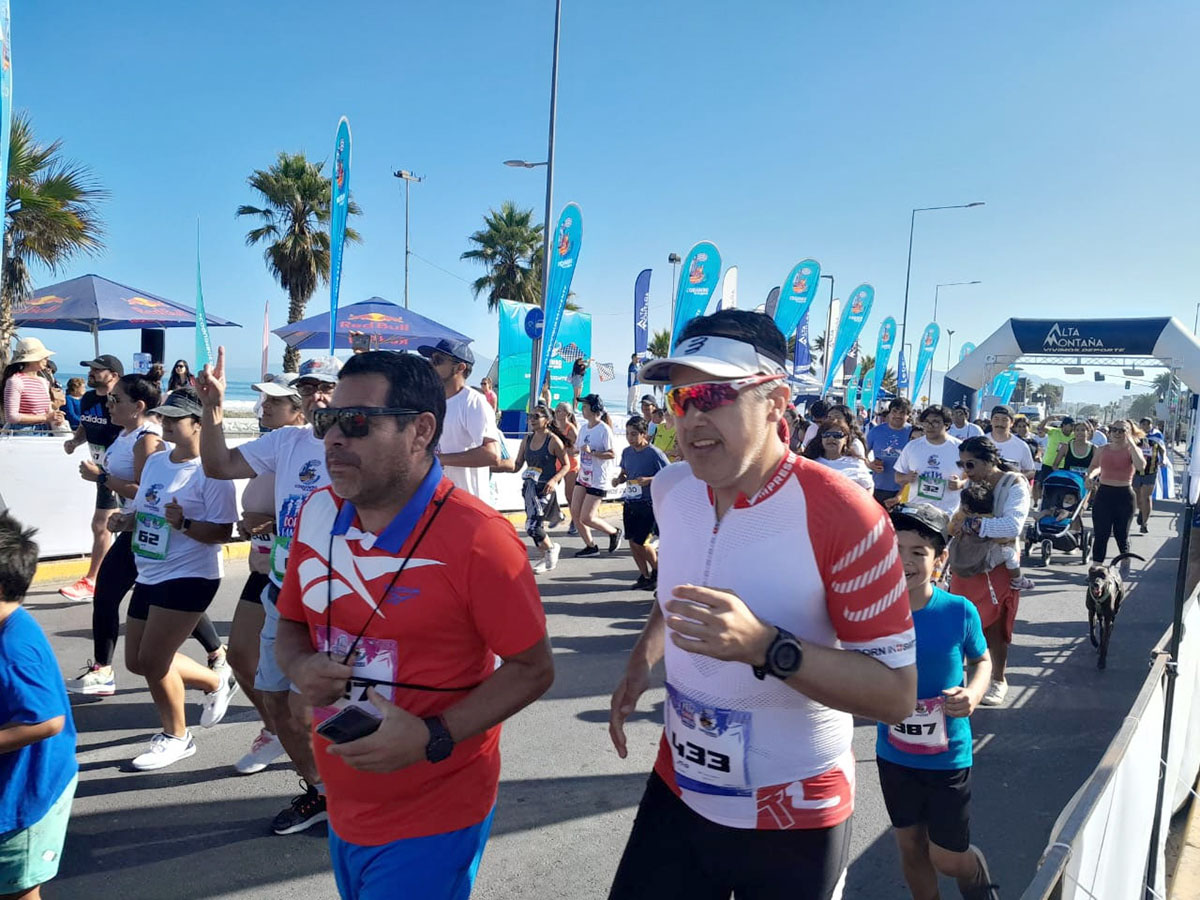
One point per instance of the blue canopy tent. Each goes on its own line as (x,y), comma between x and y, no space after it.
(95,304)
(385,325)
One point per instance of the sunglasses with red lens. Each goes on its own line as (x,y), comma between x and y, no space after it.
(706,396)
(354,421)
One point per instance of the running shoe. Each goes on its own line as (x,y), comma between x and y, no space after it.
(651,582)
(588,551)
(552,556)
(80,592)
(216,703)
(304,811)
(219,658)
(98,681)
(996,693)
(985,889)
(264,751)
(1023,583)
(165,750)
(572,531)
(541,565)
(1144,529)
(614,540)
(642,581)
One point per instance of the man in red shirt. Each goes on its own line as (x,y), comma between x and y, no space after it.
(400,592)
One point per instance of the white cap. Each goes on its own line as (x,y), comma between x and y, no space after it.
(721,357)
(279,386)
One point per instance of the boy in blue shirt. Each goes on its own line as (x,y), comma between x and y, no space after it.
(37,733)
(925,761)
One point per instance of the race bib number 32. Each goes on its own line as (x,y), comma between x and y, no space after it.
(708,746)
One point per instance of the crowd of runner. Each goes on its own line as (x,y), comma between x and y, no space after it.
(391,619)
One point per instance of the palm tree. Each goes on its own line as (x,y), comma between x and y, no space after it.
(889,376)
(660,345)
(509,247)
(50,213)
(295,214)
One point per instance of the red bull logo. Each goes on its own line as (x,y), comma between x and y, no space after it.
(156,307)
(47,303)
(373,322)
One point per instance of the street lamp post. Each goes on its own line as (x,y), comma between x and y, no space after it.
(1196,323)
(908,272)
(949,346)
(828,326)
(407,177)
(935,305)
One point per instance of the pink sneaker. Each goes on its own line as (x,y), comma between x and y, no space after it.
(81,591)
(1023,584)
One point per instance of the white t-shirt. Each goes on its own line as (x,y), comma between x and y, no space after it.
(593,472)
(1099,438)
(854,469)
(297,459)
(470,420)
(814,428)
(203,499)
(119,459)
(1017,452)
(968,430)
(934,465)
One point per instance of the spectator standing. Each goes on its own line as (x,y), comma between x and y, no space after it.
(489,394)
(631,383)
(578,373)
(27,405)
(181,376)
(75,391)
(38,771)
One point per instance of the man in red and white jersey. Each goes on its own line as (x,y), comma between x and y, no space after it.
(753,788)
(401,591)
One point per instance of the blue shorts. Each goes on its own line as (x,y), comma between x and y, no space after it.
(437,867)
(269,677)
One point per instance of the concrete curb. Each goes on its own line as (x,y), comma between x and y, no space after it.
(69,570)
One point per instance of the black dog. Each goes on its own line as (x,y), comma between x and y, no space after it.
(1104,595)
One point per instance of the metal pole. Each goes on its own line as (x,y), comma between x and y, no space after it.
(535,367)
(912,224)
(949,347)
(406,250)
(828,326)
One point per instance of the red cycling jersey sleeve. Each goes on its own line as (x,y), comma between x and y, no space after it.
(855,549)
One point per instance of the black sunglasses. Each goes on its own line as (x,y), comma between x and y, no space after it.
(836,435)
(354,421)
(969,464)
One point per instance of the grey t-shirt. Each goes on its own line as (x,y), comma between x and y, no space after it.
(644,463)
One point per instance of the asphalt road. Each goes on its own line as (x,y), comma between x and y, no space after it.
(199,830)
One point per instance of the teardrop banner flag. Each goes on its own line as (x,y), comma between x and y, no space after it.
(796,295)
(772,303)
(883,354)
(854,317)
(266,342)
(728,298)
(801,354)
(6,107)
(901,373)
(641,313)
(697,281)
(568,235)
(852,389)
(1009,386)
(204,354)
(339,208)
(869,390)
(966,350)
(929,341)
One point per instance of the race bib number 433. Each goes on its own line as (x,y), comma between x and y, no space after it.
(708,746)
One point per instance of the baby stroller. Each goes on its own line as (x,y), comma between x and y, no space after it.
(1063,491)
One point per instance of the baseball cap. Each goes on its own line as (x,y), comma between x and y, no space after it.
(716,355)
(926,516)
(460,350)
(319,368)
(959,405)
(179,404)
(279,386)
(1003,410)
(104,361)
(1066,422)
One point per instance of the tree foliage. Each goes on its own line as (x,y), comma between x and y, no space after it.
(509,247)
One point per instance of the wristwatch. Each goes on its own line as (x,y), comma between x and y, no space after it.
(102,478)
(185,525)
(440,743)
(784,656)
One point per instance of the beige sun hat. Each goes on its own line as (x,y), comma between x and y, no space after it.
(30,350)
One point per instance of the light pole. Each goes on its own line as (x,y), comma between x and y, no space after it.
(828,326)
(908,272)
(674,259)
(407,177)
(949,347)
(935,303)
(1196,323)
(906,357)
(536,352)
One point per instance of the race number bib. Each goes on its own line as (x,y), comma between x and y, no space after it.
(924,732)
(98,453)
(288,519)
(374,660)
(586,462)
(931,488)
(279,556)
(151,536)
(633,492)
(708,746)
(532,473)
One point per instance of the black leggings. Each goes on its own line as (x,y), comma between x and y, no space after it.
(117,574)
(1112,515)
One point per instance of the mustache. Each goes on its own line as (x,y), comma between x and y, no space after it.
(342,458)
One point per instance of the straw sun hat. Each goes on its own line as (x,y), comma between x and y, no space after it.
(30,350)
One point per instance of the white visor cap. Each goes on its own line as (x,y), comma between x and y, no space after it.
(720,357)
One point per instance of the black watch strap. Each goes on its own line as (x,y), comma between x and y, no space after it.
(783,656)
(441,744)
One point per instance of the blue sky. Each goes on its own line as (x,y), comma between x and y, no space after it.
(778,130)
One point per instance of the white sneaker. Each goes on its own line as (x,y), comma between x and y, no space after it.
(163,751)
(541,565)
(551,558)
(217,702)
(264,751)
(95,681)
(996,693)
(1023,583)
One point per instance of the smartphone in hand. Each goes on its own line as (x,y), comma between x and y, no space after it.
(350,724)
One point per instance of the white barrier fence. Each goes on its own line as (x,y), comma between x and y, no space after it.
(1100,847)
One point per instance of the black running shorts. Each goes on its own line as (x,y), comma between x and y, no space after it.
(639,521)
(935,798)
(675,852)
(180,594)
(253,588)
(105,498)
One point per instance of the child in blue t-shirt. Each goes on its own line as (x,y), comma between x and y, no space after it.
(37,733)
(925,761)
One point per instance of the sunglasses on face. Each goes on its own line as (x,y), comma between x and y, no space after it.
(308,388)
(354,421)
(706,396)
(968,464)
(833,435)
(1116,431)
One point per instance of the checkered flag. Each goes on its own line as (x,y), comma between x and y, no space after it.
(605,371)
(570,352)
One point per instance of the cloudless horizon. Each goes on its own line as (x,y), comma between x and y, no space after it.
(777,130)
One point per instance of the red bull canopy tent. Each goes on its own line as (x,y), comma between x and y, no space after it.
(377,323)
(95,304)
